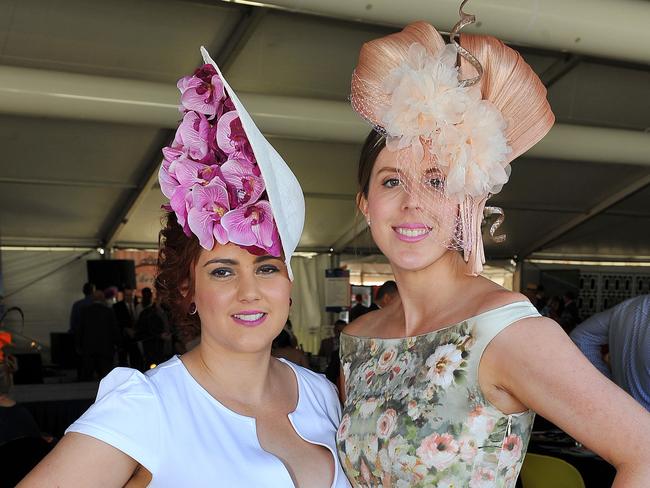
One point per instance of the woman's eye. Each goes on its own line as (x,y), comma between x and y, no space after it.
(221,272)
(268,269)
(391,183)
(436,182)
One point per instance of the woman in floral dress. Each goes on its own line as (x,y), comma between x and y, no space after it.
(440,386)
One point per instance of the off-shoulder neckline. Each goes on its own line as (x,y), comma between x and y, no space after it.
(441,329)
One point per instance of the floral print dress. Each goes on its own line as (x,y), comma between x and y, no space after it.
(415,416)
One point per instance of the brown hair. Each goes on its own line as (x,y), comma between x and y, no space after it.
(373,145)
(177,254)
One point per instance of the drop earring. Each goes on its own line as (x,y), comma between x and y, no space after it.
(193,309)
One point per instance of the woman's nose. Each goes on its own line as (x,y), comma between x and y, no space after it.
(248,289)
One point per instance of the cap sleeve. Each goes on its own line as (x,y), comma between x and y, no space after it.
(126,415)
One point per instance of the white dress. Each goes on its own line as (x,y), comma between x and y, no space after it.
(172,426)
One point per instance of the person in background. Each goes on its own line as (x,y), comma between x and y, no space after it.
(625,329)
(75,314)
(331,344)
(153,331)
(283,348)
(15,420)
(288,328)
(553,308)
(540,298)
(330,350)
(125,315)
(22,445)
(97,339)
(570,316)
(386,294)
(359,309)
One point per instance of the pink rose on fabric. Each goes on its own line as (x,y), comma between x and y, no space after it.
(231,137)
(468,448)
(438,451)
(386,423)
(240,175)
(209,205)
(253,225)
(386,360)
(204,92)
(483,478)
(344,428)
(511,450)
(192,135)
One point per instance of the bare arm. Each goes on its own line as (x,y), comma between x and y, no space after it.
(79,460)
(539,365)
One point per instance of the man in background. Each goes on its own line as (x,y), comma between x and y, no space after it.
(75,314)
(359,308)
(125,315)
(625,329)
(386,294)
(97,338)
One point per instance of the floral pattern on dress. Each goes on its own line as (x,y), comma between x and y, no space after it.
(415,417)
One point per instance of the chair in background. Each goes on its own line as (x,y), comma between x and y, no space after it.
(539,471)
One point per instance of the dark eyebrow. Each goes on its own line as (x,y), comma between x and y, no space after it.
(266,257)
(387,169)
(232,262)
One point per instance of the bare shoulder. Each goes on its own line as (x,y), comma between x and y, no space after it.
(489,296)
(364,325)
(378,323)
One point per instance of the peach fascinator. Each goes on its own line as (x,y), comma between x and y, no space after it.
(461,112)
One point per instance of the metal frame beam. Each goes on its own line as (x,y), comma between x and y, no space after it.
(559,69)
(598,209)
(148,177)
(349,236)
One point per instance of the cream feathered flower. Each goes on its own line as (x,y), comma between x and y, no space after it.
(429,110)
(473,153)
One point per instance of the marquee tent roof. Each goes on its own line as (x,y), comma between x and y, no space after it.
(88,99)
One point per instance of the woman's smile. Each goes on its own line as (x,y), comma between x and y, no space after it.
(249,318)
(412,232)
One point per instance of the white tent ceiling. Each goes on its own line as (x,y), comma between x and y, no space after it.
(87,101)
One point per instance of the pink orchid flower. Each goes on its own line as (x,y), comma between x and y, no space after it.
(241,176)
(231,137)
(189,173)
(192,136)
(181,202)
(204,92)
(253,225)
(168,182)
(209,205)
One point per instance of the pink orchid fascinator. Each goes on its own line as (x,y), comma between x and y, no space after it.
(462,111)
(224,180)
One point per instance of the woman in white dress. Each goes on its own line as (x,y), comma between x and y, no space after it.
(226,413)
